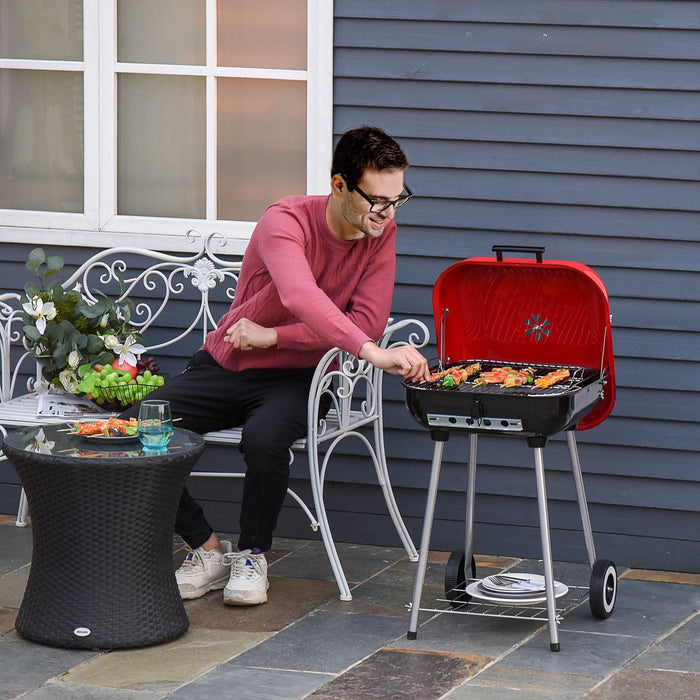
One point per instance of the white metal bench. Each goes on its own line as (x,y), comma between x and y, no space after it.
(154,280)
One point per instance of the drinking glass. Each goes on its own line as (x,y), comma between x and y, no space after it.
(155,424)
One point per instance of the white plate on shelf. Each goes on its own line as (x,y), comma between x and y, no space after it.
(514,583)
(476,590)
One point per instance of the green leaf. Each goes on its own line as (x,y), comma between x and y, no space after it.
(32,334)
(54,264)
(31,289)
(94,344)
(35,259)
(105,358)
(95,310)
(84,369)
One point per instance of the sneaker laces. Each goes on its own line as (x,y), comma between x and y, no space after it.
(193,560)
(243,564)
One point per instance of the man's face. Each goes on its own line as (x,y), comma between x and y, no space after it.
(384,185)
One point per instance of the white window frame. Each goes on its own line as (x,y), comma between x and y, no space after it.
(99,224)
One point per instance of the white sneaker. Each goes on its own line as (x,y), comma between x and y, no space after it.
(247,584)
(202,571)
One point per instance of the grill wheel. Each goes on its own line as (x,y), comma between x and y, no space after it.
(603,591)
(455,581)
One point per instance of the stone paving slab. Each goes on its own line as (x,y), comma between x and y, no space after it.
(643,608)
(12,587)
(390,591)
(167,666)
(359,562)
(469,634)
(679,651)
(331,642)
(498,681)
(241,683)
(288,600)
(26,665)
(581,653)
(7,619)
(69,691)
(15,547)
(648,684)
(419,675)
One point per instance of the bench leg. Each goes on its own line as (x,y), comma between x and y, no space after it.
(317,473)
(382,470)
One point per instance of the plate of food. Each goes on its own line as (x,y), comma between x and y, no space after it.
(112,429)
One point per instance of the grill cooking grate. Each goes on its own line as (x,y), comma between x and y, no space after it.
(572,383)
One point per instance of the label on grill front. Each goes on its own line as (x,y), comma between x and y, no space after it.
(465,423)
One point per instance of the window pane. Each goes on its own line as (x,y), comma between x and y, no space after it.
(43,29)
(261,145)
(41,140)
(269,34)
(161,31)
(161,146)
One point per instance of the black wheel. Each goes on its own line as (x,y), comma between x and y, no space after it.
(603,591)
(455,581)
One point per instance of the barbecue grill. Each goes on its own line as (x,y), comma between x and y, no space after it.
(536,318)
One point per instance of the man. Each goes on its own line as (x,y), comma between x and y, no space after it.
(318,272)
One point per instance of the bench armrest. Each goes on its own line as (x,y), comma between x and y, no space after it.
(353,387)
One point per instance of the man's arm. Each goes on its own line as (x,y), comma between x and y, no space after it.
(404,360)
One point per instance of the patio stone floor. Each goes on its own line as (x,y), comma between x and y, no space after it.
(306,643)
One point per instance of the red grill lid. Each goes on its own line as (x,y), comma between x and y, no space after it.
(526,310)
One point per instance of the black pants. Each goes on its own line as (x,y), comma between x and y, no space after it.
(271,405)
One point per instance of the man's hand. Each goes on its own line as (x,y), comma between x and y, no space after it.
(244,334)
(404,360)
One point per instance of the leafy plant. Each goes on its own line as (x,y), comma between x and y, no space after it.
(65,329)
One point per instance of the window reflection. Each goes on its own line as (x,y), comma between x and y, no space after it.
(261,145)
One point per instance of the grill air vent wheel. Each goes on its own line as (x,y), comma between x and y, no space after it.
(455,580)
(603,590)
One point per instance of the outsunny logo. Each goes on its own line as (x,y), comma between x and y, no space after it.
(534,325)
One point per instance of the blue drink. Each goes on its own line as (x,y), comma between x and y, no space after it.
(155,424)
(155,436)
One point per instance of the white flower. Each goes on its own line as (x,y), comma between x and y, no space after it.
(111,342)
(41,444)
(104,321)
(73,359)
(41,310)
(127,349)
(68,380)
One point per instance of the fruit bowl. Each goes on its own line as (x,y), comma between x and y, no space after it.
(124,395)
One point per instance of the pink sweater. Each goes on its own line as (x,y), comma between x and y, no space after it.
(315,290)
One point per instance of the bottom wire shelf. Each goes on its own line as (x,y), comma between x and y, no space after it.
(573,598)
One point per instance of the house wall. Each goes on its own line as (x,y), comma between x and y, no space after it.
(572,126)
(564,124)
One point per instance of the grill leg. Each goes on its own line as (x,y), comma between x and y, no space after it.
(546,550)
(425,538)
(581,496)
(469,519)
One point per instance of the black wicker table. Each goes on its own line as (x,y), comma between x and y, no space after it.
(103,513)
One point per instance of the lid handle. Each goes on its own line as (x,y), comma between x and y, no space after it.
(537,251)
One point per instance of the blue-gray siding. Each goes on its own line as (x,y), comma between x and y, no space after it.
(572,125)
(568,124)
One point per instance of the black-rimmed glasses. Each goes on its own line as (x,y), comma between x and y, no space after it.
(377,206)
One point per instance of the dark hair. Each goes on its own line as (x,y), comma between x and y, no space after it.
(366,148)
